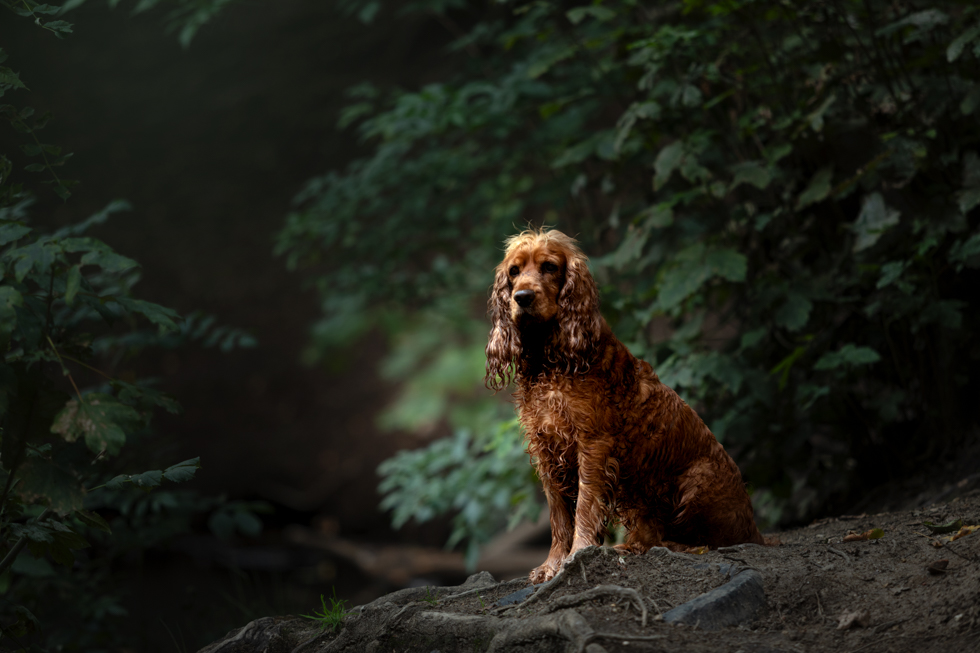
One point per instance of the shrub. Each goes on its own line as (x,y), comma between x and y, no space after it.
(779,199)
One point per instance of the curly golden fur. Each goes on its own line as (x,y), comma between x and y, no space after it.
(608,439)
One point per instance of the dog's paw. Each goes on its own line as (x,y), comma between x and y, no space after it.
(545,572)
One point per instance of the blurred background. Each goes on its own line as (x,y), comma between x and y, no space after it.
(779,204)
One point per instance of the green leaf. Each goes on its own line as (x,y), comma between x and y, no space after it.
(794,313)
(26,622)
(49,10)
(751,338)
(35,532)
(98,253)
(99,419)
(626,122)
(936,529)
(962,253)
(65,535)
(45,483)
(117,482)
(544,63)
(970,101)
(816,118)
(920,22)
(727,263)
(817,189)
(159,315)
(968,198)
(11,231)
(600,13)
(182,471)
(658,216)
(59,27)
(849,355)
(93,520)
(576,153)
(750,172)
(956,47)
(10,298)
(148,479)
(668,159)
(875,218)
(99,217)
(73,283)
(693,266)
(10,78)
(39,255)
(890,272)
(689,273)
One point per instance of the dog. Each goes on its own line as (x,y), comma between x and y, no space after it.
(609,441)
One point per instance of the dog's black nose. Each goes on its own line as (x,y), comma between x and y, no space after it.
(524,298)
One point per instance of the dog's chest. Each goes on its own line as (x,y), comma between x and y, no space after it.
(560,412)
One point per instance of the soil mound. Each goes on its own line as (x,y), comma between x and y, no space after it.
(898,581)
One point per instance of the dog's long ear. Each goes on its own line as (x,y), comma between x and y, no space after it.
(579,320)
(504,344)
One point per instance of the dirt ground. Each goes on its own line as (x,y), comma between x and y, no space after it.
(911,589)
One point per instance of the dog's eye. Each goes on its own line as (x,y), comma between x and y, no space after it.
(514,270)
(548,266)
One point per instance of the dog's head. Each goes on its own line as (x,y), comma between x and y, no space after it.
(543,281)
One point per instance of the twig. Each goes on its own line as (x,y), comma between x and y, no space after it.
(596,592)
(87,366)
(21,543)
(846,557)
(965,557)
(63,368)
(488,588)
(881,627)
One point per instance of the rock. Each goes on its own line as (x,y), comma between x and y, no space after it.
(856,619)
(740,600)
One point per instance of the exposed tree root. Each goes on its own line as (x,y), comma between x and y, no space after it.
(599,591)
(567,624)
(544,590)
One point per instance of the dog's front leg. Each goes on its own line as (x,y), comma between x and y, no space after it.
(597,478)
(561,533)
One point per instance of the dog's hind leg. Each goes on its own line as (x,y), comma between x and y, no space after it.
(642,534)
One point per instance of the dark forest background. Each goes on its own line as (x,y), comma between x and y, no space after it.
(779,203)
(209,144)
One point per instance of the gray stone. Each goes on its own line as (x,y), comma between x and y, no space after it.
(740,600)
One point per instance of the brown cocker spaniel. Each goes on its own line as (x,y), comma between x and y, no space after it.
(608,439)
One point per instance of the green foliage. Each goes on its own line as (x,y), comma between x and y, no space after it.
(69,323)
(186,17)
(331,617)
(60,439)
(789,190)
(481,478)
